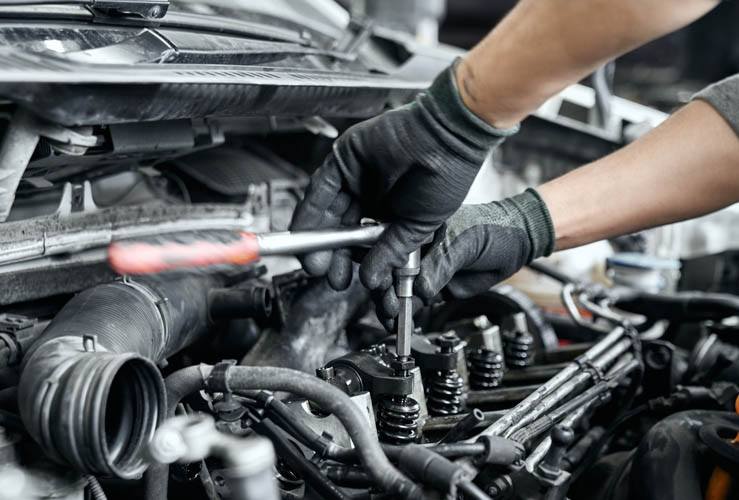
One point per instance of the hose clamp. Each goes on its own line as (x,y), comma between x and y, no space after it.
(632,334)
(596,374)
(158,302)
(217,381)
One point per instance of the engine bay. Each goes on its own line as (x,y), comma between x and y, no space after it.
(259,381)
(233,379)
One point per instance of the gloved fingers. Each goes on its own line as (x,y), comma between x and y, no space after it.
(466,284)
(378,298)
(390,303)
(340,271)
(318,263)
(389,253)
(390,323)
(325,185)
(442,261)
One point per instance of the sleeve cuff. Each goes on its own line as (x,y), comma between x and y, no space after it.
(724,97)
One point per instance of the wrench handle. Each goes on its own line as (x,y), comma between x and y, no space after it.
(139,257)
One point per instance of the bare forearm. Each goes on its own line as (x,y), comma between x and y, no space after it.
(689,166)
(543,46)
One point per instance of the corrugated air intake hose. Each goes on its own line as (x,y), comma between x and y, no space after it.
(90,392)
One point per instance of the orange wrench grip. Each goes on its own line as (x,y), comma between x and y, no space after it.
(149,258)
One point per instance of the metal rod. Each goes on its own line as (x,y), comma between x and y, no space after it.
(300,242)
(525,406)
(578,382)
(404,278)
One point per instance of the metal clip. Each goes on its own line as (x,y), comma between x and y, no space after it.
(89,343)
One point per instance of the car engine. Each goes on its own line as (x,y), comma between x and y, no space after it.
(259,381)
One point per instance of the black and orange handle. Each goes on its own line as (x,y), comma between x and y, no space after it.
(141,257)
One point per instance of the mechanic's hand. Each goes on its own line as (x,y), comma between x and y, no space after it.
(411,167)
(481,245)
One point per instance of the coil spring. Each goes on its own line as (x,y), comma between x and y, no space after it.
(518,347)
(486,369)
(397,420)
(446,393)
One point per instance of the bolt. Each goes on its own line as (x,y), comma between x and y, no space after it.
(447,342)
(402,366)
(326,373)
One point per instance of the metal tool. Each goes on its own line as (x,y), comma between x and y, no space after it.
(404,278)
(206,249)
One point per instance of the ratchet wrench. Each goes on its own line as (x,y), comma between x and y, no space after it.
(239,248)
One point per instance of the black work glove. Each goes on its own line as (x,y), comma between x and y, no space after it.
(411,167)
(481,245)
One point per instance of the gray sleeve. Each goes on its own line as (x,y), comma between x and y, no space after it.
(724,96)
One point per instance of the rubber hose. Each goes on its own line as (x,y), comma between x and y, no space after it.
(681,306)
(337,403)
(329,449)
(298,463)
(90,392)
(333,400)
(178,385)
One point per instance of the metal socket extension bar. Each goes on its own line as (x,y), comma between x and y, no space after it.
(404,278)
(299,242)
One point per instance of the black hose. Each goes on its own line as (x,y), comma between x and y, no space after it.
(332,451)
(471,490)
(681,306)
(333,400)
(464,427)
(90,392)
(178,385)
(350,477)
(336,402)
(325,448)
(550,272)
(297,462)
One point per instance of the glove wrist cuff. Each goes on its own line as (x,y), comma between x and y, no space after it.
(445,101)
(538,222)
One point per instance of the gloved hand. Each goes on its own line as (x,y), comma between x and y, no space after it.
(411,167)
(481,245)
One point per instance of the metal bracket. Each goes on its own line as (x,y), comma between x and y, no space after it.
(76,198)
